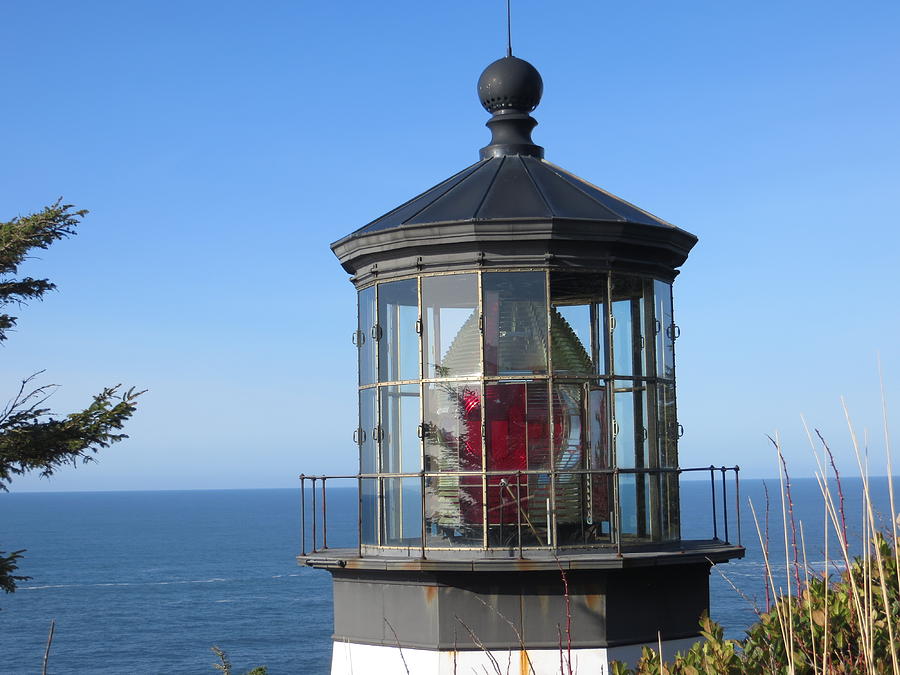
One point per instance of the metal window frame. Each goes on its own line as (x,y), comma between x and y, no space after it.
(602,347)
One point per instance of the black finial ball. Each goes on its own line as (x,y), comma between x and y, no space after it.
(510,84)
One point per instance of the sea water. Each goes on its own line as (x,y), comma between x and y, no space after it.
(147,582)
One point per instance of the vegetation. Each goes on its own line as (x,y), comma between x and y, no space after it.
(842,620)
(32,436)
(225,666)
(837,625)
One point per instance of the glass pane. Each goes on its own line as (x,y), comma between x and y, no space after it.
(453,426)
(449,528)
(369,497)
(517,437)
(402,512)
(628,520)
(635,504)
(452,339)
(602,333)
(515,323)
(598,486)
(537,505)
(517,426)
(517,507)
(571,330)
(667,431)
(367,432)
(400,445)
(574,298)
(571,443)
(398,342)
(365,341)
(628,320)
(453,444)
(667,425)
(631,440)
(664,326)
(623,425)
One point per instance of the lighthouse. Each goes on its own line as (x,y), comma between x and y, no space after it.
(518,438)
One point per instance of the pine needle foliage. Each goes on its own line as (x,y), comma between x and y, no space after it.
(18,238)
(225,667)
(32,436)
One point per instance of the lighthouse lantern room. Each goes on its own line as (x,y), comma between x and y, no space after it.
(518,437)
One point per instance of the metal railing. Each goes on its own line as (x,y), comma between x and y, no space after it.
(318,507)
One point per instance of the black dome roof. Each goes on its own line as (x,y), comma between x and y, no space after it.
(510,83)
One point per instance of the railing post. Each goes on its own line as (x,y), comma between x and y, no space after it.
(502,487)
(737,501)
(422,503)
(712,484)
(519,510)
(302,514)
(725,505)
(618,512)
(324,518)
(313,514)
(359,512)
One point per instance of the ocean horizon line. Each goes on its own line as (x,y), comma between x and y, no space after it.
(691,477)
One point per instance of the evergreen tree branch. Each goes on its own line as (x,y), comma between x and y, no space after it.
(7,567)
(32,437)
(18,237)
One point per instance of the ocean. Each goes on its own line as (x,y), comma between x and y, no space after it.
(147,582)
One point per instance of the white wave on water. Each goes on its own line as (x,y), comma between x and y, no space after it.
(214,580)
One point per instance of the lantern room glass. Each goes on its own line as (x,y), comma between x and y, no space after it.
(497,406)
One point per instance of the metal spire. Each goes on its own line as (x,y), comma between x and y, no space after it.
(508,29)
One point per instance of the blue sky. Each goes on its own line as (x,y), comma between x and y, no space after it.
(221,146)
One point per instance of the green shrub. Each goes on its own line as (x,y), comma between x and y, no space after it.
(843,625)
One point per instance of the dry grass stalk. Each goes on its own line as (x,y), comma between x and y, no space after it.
(399,648)
(481,646)
(514,629)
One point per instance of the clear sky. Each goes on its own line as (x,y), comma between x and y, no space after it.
(222,146)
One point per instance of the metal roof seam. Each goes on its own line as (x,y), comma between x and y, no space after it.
(472,168)
(559,171)
(475,169)
(577,179)
(488,191)
(538,188)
